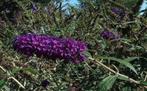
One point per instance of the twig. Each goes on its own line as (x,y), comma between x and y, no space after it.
(16,81)
(145,78)
(111,70)
(115,68)
(12,78)
(3,69)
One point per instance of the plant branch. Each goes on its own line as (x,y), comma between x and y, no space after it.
(16,82)
(3,69)
(12,77)
(111,70)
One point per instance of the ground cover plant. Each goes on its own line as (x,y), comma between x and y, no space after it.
(50,45)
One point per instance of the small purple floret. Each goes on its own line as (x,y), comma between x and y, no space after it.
(51,47)
(34,7)
(118,12)
(108,35)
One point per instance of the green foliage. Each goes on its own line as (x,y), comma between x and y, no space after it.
(85,22)
(144,83)
(2,83)
(122,61)
(130,3)
(107,83)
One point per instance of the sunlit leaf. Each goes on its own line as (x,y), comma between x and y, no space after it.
(123,78)
(129,65)
(107,83)
(31,70)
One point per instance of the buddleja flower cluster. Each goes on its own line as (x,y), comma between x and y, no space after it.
(51,47)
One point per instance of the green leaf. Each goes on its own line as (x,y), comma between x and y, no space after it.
(121,61)
(143,83)
(123,78)
(127,88)
(2,83)
(15,70)
(129,59)
(129,65)
(107,83)
(31,70)
(86,53)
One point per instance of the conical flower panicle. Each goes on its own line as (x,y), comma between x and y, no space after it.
(51,47)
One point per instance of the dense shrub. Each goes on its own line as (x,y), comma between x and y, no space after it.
(110,36)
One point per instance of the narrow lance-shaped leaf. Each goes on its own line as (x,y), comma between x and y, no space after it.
(107,83)
(121,61)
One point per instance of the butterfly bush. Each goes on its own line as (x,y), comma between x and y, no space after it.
(51,47)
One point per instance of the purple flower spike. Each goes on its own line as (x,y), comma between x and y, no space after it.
(51,47)
(108,35)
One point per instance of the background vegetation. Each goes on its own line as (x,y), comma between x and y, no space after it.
(117,64)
